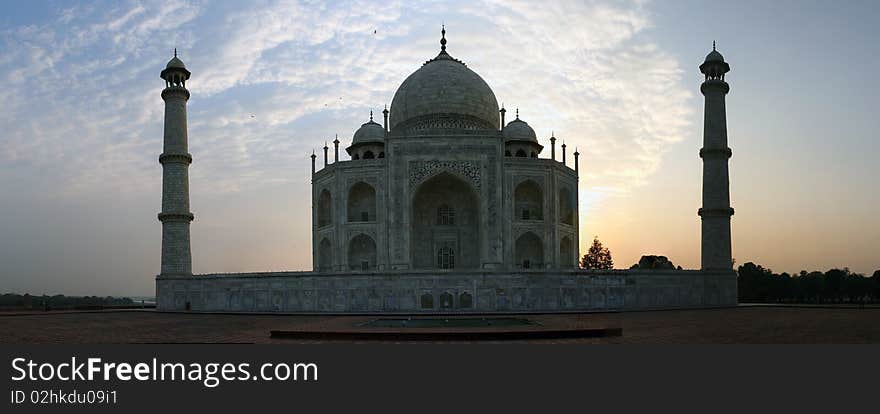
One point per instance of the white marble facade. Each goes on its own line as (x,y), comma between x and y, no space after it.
(440,185)
(445,207)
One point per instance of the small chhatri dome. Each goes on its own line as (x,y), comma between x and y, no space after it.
(175,62)
(519,130)
(175,66)
(444,86)
(714,67)
(369,132)
(714,56)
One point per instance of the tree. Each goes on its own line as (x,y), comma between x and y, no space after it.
(876,279)
(833,287)
(754,283)
(598,257)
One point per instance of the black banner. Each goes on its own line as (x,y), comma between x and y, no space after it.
(446,377)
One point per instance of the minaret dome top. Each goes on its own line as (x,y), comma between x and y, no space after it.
(175,65)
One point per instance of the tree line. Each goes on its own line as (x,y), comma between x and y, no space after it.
(45,302)
(758,284)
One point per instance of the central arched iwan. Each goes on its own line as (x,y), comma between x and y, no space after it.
(445,224)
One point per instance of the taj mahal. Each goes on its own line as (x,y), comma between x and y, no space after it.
(446,206)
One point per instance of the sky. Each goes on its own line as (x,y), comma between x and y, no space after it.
(82,117)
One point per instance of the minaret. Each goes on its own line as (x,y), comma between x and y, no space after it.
(175,160)
(552,146)
(716,210)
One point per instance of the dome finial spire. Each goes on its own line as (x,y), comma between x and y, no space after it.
(443,37)
(713,45)
(371,115)
(175,52)
(517,113)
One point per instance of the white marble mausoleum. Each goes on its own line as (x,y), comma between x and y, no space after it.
(444,206)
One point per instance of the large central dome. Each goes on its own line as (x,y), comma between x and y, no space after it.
(444,88)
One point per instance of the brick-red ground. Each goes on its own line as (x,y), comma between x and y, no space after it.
(732,325)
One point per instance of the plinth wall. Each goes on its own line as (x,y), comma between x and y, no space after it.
(441,292)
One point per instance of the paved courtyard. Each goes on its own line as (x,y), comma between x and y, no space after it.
(730,325)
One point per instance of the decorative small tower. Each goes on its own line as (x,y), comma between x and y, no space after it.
(716,210)
(336,149)
(313,162)
(175,160)
(552,146)
(326,160)
(502,111)
(563,152)
(576,155)
(385,113)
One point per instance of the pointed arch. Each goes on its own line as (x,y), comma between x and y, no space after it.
(529,251)
(528,201)
(362,253)
(325,208)
(427,301)
(361,203)
(566,253)
(465,300)
(566,206)
(325,256)
(445,224)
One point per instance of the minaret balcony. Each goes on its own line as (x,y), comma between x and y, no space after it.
(712,85)
(168,158)
(175,92)
(716,152)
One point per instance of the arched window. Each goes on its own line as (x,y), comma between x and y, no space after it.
(447,301)
(446,258)
(445,209)
(362,253)
(356,156)
(507,153)
(566,253)
(465,300)
(368,155)
(534,155)
(520,153)
(325,212)
(361,203)
(445,215)
(382,154)
(427,301)
(566,206)
(528,200)
(529,251)
(325,256)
